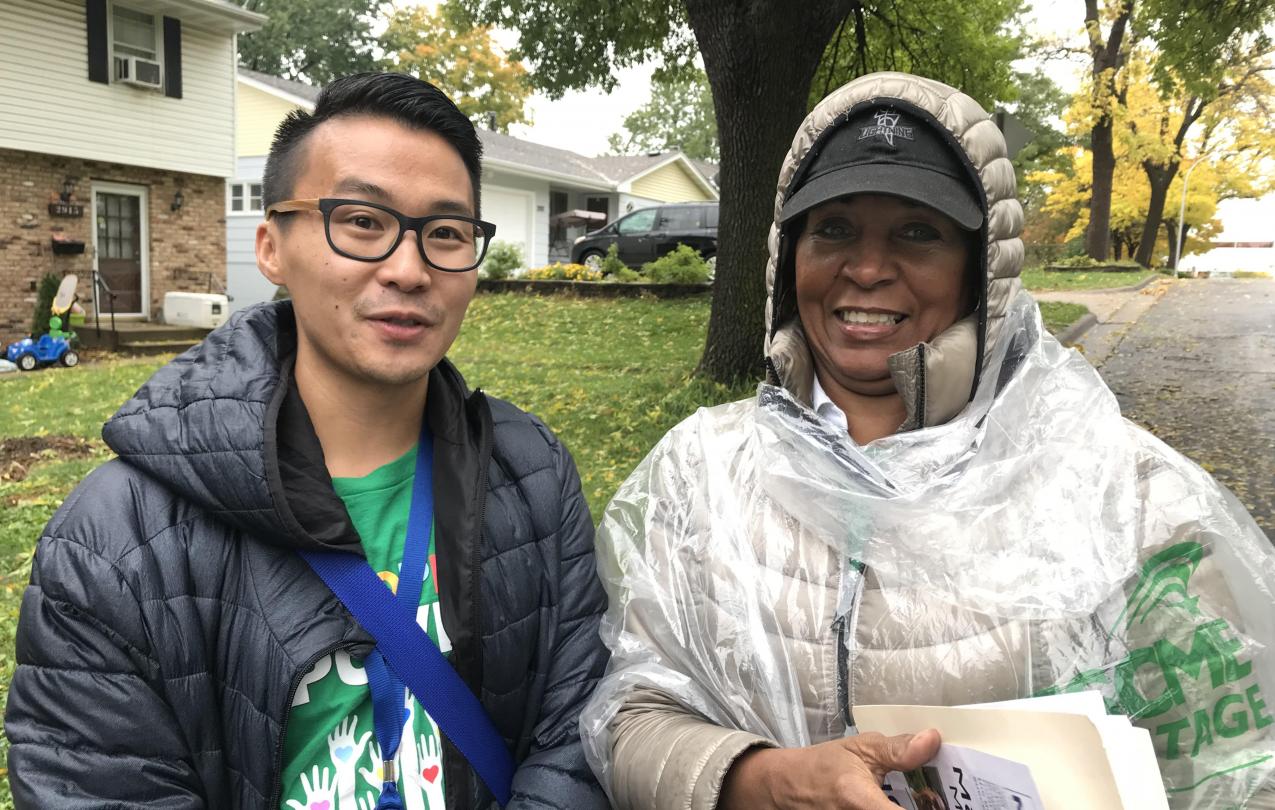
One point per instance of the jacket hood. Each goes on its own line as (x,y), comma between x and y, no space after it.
(936,379)
(223,426)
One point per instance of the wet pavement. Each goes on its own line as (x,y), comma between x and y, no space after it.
(1198,370)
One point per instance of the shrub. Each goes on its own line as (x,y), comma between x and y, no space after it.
(625,275)
(564,272)
(1083,261)
(683,265)
(611,264)
(44,296)
(502,260)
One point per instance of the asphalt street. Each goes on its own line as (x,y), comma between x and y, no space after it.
(1198,370)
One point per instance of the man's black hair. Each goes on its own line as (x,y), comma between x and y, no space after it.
(410,101)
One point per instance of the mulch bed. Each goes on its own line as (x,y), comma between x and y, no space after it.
(19,453)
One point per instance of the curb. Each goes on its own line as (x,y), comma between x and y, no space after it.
(1146,282)
(1128,288)
(1073,333)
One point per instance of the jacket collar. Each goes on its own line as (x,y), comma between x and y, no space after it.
(224,426)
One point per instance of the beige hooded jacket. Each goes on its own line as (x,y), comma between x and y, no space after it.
(1018,537)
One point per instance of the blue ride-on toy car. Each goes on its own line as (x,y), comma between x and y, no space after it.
(28,354)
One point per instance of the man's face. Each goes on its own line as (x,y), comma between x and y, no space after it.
(388,322)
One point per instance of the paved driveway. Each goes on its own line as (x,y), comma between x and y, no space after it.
(1198,369)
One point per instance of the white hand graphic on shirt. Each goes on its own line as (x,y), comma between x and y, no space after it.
(345,753)
(319,793)
(428,776)
(408,763)
(374,776)
(368,803)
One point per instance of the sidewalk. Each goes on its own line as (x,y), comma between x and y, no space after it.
(1115,310)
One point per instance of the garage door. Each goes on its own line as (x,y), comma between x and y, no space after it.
(510,211)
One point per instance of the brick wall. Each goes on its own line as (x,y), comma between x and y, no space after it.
(185,245)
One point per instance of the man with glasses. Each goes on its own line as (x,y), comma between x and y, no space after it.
(182,644)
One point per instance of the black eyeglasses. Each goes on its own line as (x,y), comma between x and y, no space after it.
(370,232)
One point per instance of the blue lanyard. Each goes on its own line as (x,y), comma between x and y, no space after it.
(389,696)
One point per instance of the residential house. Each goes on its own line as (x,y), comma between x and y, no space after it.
(116,140)
(529,191)
(1246,243)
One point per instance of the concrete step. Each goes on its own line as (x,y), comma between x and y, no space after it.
(137,333)
(155,346)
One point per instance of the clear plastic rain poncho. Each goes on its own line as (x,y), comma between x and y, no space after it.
(767,574)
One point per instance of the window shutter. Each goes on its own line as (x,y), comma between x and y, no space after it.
(99,54)
(172,57)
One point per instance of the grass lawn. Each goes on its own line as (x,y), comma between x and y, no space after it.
(1058,315)
(1043,280)
(610,377)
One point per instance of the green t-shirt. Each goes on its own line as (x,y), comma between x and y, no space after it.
(330,756)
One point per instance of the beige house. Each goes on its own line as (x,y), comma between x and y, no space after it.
(528,190)
(117,136)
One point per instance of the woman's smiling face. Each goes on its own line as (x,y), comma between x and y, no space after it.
(876,275)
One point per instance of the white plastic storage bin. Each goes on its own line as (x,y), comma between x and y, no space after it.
(202,310)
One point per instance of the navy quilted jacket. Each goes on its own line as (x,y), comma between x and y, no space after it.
(169,619)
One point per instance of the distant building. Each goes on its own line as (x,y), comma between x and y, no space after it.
(116,139)
(1246,244)
(528,190)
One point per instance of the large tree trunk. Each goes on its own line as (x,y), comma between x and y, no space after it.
(1160,178)
(760,58)
(1107,61)
(1097,238)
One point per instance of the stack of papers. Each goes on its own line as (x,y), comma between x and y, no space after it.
(1061,752)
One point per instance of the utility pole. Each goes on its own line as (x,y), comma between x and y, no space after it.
(1186,178)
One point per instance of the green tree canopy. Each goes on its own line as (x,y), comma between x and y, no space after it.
(462,61)
(312,40)
(967,45)
(679,115)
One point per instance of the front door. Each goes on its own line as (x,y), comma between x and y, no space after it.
(119,240)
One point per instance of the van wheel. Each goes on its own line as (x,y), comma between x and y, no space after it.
(592,259)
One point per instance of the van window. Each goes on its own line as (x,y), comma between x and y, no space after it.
(681,218)
(637,222)
(710,216)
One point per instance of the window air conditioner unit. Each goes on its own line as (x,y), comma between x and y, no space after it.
(137,71)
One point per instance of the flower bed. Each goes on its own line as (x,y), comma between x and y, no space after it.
(592,289)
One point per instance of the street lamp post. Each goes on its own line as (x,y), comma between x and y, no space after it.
(1186,178)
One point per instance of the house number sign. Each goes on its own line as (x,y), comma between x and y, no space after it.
(66,209)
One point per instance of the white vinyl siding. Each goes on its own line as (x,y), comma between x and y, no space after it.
(49,106)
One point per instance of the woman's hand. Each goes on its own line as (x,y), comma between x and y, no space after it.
(843,774)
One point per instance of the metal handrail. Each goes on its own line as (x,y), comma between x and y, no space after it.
(221,288)
(100,285)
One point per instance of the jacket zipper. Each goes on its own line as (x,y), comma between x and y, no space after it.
(847,628)
(276,790)
(476,554)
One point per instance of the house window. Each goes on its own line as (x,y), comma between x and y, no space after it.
(601,205)
(133,34)
(558,202)
(245,197)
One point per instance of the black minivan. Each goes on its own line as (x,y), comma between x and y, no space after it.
(648,233)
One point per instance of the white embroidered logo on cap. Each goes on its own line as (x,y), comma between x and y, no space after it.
(887,127)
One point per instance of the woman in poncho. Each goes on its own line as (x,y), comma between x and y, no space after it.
(930,501)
